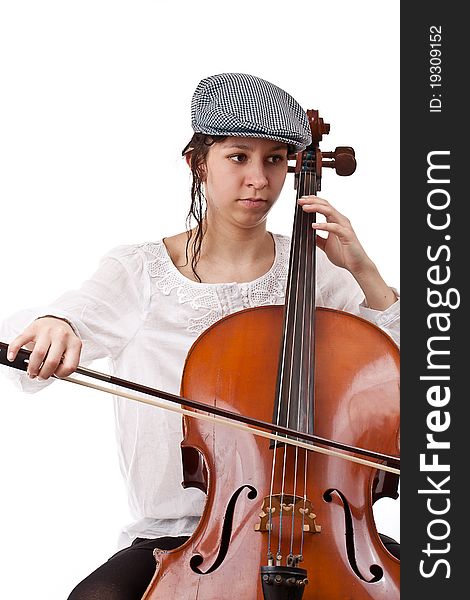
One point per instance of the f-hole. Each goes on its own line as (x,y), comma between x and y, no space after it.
(197,560)
(375,570)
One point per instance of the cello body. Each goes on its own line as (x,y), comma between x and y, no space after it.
(234,365)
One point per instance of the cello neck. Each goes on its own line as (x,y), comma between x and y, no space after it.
(294,406)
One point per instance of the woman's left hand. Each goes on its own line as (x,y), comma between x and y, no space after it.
(344,250)
(341,246)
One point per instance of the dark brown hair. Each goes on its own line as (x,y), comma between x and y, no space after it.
(199,147)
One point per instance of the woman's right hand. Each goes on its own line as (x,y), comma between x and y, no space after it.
(55,348)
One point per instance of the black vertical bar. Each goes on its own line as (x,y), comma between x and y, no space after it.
(434,401)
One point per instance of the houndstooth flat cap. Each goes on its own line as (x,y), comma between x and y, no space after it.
(237,104)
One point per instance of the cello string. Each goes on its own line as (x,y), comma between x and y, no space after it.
(284,353)
(304,343)
(283,360)
(290,386)
(303,278)
(300,340)
(311,298)
(296,459)
(270,512)
(293,298)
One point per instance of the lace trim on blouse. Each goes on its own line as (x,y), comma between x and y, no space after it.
(265,290)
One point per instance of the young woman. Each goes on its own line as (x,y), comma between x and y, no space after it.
(147,303)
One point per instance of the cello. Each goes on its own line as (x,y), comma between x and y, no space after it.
(282,523)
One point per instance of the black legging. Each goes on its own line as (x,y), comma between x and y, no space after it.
(126,575)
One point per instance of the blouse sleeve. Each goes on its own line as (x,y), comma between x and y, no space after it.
(337,288)
(106,311)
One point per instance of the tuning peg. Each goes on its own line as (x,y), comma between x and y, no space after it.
(342,160)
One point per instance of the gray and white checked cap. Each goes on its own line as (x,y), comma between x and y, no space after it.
(237,104)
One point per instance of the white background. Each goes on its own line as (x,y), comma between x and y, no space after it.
(94,112)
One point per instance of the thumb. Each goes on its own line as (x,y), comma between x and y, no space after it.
(321,242)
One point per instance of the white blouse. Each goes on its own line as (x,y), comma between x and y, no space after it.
(143,314)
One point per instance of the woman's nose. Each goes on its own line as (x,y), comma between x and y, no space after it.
(256,176)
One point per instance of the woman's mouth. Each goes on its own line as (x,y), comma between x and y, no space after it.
(252,201)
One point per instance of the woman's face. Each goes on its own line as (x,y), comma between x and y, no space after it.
(243,179)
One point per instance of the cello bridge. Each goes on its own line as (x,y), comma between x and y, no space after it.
(286,504)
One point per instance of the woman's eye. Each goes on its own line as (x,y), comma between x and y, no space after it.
(276,158)
(238,157)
